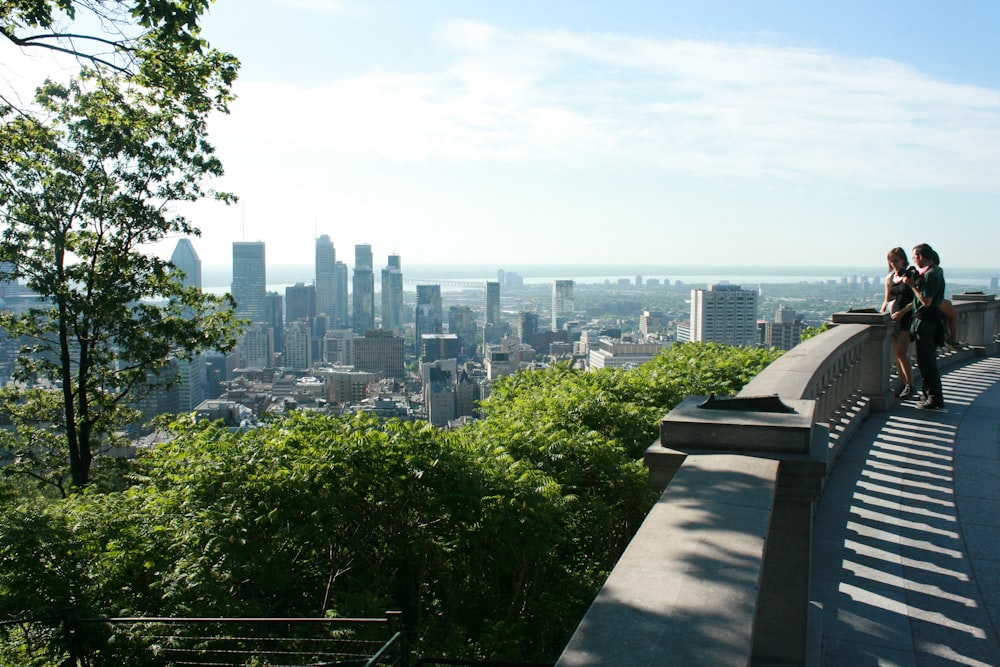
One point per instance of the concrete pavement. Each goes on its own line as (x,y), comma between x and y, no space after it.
(906,548)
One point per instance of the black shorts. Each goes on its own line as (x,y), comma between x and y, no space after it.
(903,324)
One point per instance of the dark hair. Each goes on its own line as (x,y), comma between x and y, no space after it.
(926,250)
(896,253)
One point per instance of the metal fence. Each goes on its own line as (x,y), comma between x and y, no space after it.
(451,662)
(203,642)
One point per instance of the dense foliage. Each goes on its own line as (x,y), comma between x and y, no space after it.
(493,539)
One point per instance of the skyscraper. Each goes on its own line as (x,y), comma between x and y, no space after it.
(186,259)
(340,287)
(429,313)
(249,279)
(364,290)
(392,295)
(724,313)
(462,322)
(190,371)
(193,381)
(274,317)
(562,303)
(527,326)
(492,329)
(326,288)
(300,302)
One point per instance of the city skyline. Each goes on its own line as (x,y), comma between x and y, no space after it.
(218,278)
(720,132)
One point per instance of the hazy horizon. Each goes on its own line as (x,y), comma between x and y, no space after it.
(220,275)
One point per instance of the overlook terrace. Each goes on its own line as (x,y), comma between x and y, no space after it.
(735,565)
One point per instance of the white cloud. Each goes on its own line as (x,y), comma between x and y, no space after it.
(748,110)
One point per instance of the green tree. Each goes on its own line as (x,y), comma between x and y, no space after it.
(87,179)
(493,539)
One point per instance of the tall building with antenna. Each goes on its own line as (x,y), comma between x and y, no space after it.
(326,283)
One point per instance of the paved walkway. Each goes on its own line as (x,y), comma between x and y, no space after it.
(906,551)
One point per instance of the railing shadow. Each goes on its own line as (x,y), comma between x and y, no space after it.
(896,582)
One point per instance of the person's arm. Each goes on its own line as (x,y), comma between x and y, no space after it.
(925,296)
(888,286)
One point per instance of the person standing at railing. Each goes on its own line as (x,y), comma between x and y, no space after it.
(927,326)
(899,302)
(949,314)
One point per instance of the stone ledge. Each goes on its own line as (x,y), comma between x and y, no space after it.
(688,425)
(685,590)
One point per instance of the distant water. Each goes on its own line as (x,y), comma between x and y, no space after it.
(218,278)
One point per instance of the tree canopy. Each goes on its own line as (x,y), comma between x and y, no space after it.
(88,178)
(493,539)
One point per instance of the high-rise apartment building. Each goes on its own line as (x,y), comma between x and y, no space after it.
(363,319)
(256,347)
(429,311)
(562,303)
(249,286)
(298,345)
(784,333)
(326,279)
(392,295)
(186,259)
(724,313)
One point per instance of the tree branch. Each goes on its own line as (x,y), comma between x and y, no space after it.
(39,41)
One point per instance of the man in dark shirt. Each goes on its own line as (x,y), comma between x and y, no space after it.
(927,326)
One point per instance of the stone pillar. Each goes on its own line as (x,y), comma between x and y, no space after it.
(982,321)
(877,356)
(757,426)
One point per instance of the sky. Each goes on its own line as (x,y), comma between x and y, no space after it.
(648,132)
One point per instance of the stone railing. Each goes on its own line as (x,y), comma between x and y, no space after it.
(718,573)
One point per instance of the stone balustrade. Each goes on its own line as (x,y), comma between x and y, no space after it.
(718,573)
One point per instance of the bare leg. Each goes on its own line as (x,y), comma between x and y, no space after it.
(951,318)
